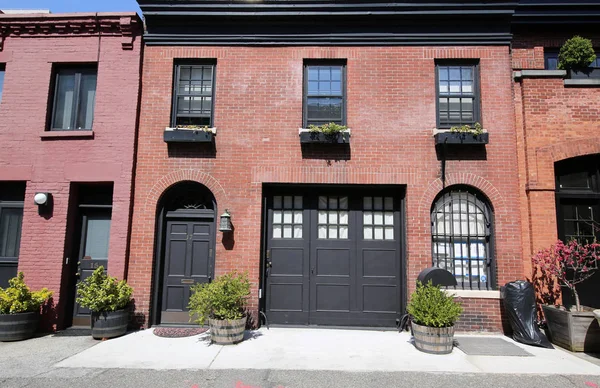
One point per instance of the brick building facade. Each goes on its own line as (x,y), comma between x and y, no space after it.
(334,266)
(68,116)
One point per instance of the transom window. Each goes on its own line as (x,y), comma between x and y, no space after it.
(324,93)
(74,98)
(458,94)
(333,217)
(194,94)
(461,233)
(287,216)
(378,218)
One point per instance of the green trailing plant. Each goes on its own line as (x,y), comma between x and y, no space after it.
(475,130)
(328,129)
(223,299)
(204,128)
(18,298)
(102,293)
(430,306)
(575,53)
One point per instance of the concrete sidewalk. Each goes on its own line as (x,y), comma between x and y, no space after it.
(316,349)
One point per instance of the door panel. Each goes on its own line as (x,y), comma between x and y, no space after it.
(188,261)
(345,266)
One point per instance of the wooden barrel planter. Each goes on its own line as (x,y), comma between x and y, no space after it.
(17,327)
(227,332)
(109,324)
(434,340)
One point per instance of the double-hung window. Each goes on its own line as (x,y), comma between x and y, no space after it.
(458,94)
(194,94)
(2,69)
(324,93)
(74,98)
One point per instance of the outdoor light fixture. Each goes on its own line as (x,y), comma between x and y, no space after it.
(44,202)
(225,222)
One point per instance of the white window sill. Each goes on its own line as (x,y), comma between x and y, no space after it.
(210,129)
(595,82)
(475,294)
(306,130)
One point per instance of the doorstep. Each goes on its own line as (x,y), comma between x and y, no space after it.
(316,349)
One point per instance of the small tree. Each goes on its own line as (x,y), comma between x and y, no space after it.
(102,293)
(224,299)
(570,264)
(430,306)
(577,52)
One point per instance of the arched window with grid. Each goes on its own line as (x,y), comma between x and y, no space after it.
(461,231)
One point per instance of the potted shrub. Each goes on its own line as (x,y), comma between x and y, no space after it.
(326,133)
(189,134)
(570,264)
(464,134)
(20,309)
(433,313)
(108,300)
(222,303)
(575,56)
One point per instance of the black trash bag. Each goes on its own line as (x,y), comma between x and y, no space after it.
(519,304)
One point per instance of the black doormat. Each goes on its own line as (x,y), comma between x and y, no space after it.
(485,346)
(178,332)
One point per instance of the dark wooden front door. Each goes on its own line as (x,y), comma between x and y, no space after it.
(188,260)
(334,258)
(93,252)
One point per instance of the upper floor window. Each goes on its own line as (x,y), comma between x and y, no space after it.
(193,95)
(551,60)
(461,228)
(457,93)
(324,93)
(74,98)
(2,69)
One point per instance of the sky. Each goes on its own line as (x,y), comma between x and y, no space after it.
(58,6)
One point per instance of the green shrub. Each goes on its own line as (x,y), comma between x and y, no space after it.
(431,306)
(224,299)
(17,298)
(577,52)
(329,129)
(102,293)
(476,130)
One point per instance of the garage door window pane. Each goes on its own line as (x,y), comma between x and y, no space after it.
(333,217)
(287,216)
(378,225)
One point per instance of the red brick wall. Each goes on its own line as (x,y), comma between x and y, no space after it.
(51,164)
(554,122)
(485,315)
(258,110)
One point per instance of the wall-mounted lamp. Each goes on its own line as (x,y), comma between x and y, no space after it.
(44,202)
(225,222)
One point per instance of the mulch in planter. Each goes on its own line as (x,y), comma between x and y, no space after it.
(178,332)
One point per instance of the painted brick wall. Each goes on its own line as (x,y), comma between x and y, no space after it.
(51,164)
(258,110)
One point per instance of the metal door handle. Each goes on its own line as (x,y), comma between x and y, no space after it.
(66,261)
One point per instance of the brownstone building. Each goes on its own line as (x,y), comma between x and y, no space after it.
(332,230)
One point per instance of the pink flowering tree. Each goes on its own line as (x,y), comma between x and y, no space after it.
(570,264)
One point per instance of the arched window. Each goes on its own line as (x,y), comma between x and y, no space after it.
(461,231)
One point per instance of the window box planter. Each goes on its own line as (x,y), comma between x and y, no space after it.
(189,135)
(109,324)
(447,137)
(589,72)
(308,137)
(17,327)
(577,331)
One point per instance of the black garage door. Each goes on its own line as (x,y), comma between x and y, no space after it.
(333,256)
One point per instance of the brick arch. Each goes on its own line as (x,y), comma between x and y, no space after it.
(495,199)
(574,148)
(185,175)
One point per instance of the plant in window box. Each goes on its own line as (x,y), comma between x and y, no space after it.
(463,134)
(326,133)
(19,309)
(222,303)
(108,299)
(433,314)
(190,133)
(567,265)
(576,55)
